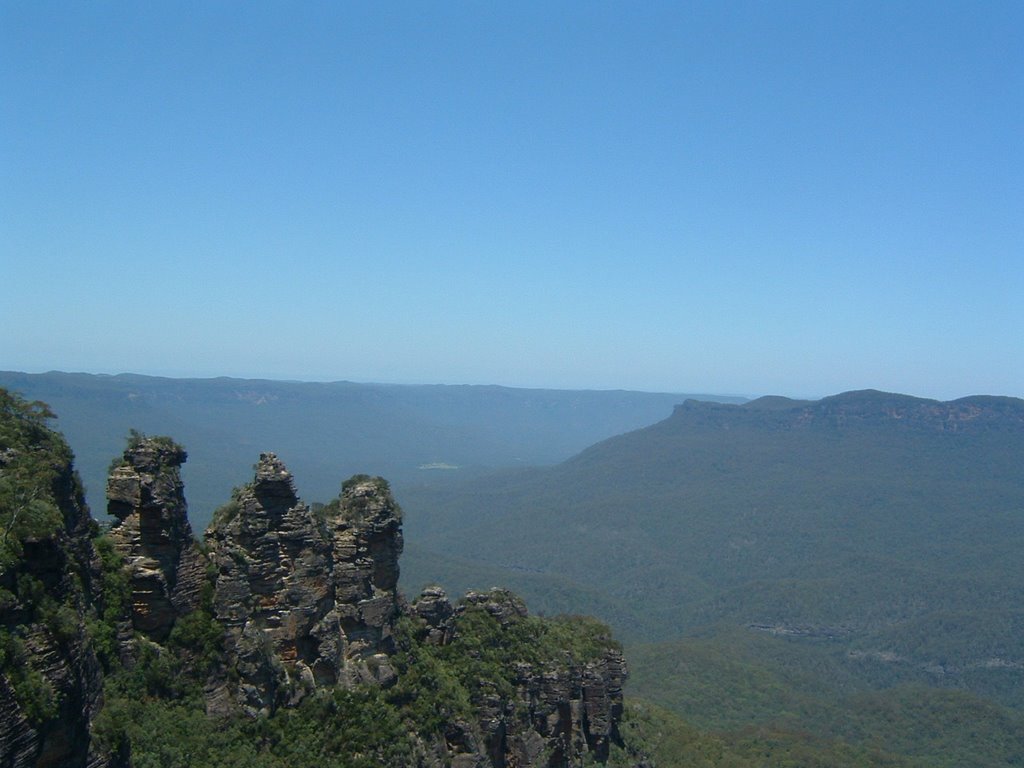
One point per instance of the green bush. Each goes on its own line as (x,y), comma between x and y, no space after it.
(32,458)
(199,634)
(114,604)
(229,510)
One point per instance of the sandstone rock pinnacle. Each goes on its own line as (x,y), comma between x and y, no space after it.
(152,532)
(307,598)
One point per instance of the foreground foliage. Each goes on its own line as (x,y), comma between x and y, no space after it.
(32,457)
(155,706)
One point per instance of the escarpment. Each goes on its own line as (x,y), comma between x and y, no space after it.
(51,682)
(287,611)
(308,601)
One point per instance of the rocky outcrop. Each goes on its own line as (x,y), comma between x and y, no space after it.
(151,531)
(365,529)
(433,607)
(568,712)
(272,591)
(564,710)
(307,599)
(50,679)
(49,701)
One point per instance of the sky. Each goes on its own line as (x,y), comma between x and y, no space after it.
(795,198)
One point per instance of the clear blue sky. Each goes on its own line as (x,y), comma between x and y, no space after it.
(767,197)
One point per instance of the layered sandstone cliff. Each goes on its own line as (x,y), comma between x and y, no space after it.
(51,682)
(307,598)
(565,709)
(151,531)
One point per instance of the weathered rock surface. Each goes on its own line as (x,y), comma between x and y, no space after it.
(365,529)
(307,599)
(55,648)
(50,679)
(563,711)
(151,531)
(436,611)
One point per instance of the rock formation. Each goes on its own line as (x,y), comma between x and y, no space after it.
(307,599)
(151,531)
(436,611)
(365,528)
(563,709)
(51,682)
(46,707)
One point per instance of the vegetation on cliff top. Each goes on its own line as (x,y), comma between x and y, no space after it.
(36,480)
(156,706)
(32,458)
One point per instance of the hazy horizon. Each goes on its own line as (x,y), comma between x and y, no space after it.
(415,383)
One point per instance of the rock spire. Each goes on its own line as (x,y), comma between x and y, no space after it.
(152,533)
(307,598)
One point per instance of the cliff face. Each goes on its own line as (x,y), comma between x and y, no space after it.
(307,599)
(53,690)
(365,530)
(151,531)
(50,679)
(565,706)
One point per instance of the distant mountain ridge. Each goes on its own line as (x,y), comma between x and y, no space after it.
(326,430)
(870,406)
